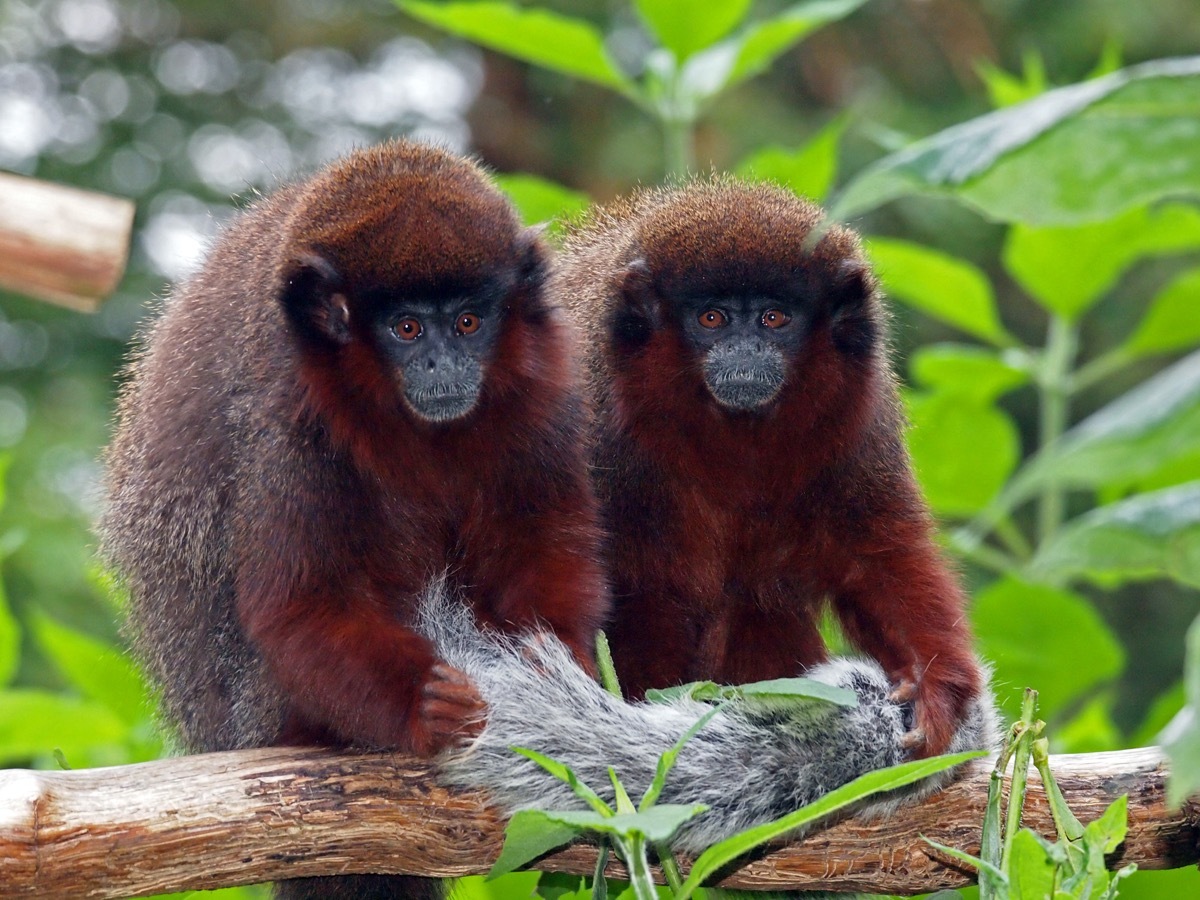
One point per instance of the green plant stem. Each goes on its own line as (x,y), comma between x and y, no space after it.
(1010,534)
(670,867)
(1100,368)
(678,144)
(1016,794)
(633,854)
(981,554)
(1054,384)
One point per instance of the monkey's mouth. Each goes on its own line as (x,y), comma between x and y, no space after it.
(439,403)
(743,380)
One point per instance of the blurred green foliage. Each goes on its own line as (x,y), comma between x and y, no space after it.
(1047,316)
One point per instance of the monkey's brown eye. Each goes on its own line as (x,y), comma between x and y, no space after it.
(775,318)
(713,318)
(468,323)
(407,329)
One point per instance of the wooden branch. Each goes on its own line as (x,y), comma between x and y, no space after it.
(62,244)
(226,819)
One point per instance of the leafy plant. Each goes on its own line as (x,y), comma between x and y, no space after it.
(700,48)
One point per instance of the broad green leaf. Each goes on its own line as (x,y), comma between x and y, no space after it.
(1173,321)
(539,200)
(1161,711)
(685,26)
(1031,872)
(976,374)
(889,779)
(529,834)
(797,690)
(1068,268)
(35,723)
(1183,740)
(1079,153)
(701,691)
(1136,435)
(10,638)
(561,43)
(963,451)
(809,171)
(942,286)
(1109,830)
(1151,535)
(1091,730)
(753,49)
(1046,638)
(97,669)
(657,824)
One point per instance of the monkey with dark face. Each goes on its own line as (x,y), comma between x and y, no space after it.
(749,455)
(364,389)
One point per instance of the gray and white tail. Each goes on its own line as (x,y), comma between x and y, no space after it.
(747,765)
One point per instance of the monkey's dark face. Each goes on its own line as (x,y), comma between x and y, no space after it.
(439,349)
(744,345)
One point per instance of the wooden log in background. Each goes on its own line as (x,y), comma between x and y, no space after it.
(225,819)
(62,244)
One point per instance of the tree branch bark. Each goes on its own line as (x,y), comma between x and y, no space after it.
(226,819)
(62,244)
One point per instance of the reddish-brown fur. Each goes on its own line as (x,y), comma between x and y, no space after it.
(730,531)
(277,510)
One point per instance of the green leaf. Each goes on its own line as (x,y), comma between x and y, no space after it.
(1031,871)
(100,671)
(1109,830)
(974,373)
(34,723)
(565,773)
(796,691)
(963,451)
(1079,153)
(1161,712)
(540,200)
(1132,437)
(666,761)
(1091,730)
(530,834)
(700,691)
(974,861)
(889,779)
(608,669)
(1046,638)
(752,50)
(1151,535)
(10,639)
(561,43)
(1172,322)
(657,824)
(1005,89)
(685,26)
(1183,744)
(939,285)
(1067,269)
(809,171)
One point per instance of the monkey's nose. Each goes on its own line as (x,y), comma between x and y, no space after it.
(431,365)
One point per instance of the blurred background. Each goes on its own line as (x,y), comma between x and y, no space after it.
(191,107)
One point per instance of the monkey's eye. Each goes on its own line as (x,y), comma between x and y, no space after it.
(407,329)
(713,318)
(775,318)
(468,323)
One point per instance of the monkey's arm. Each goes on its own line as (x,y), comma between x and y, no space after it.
(904,607)
(350,669)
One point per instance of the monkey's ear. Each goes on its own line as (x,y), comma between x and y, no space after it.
(534,257)
(637,314)
(313,302)
(851,287)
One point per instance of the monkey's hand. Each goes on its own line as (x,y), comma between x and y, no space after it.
(451,711)
(937,711)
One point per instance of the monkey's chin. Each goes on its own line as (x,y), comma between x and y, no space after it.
(744,395)
(443,409)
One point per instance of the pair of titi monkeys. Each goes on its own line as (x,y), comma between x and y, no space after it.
(371,384)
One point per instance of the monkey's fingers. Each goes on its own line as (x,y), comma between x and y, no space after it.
(913,740)
(904,691)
